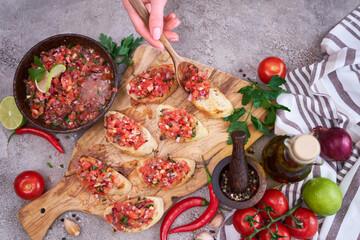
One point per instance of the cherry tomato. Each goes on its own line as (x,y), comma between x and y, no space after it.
(241,225)
(29,185)
(309,221)
(276,200)
(269,67)
(278,229)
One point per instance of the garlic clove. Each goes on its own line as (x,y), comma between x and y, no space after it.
(204,236)
(217,220)
(71,227)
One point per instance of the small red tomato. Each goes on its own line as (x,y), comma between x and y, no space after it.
(269,67)
(309,221)
(278,229)
(276,200)
(29,185)
(241,225)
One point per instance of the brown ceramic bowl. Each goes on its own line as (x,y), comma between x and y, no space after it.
(22,73)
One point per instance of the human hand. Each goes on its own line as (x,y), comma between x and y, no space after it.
(157,22)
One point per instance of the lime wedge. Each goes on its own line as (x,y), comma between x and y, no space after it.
(10,116)
(44,85)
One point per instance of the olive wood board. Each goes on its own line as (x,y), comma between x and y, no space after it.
(37,216)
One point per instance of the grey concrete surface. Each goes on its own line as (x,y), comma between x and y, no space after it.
(228,35)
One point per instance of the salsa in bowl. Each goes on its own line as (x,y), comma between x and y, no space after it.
(76,97)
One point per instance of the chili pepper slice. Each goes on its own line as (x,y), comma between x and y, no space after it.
(40,133)
(207,215)
(176,210)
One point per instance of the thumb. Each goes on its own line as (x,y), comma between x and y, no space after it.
(156,21)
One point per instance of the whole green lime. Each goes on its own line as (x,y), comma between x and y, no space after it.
(322,196)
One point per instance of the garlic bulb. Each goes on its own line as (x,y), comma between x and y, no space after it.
(204,236)
(71,227)
(217,220)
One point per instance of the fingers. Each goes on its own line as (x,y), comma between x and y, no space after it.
(171,36)
(140,26)
(171,24)
(156,21)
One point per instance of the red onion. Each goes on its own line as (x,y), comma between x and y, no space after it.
(335,142)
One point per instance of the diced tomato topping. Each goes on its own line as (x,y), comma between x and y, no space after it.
(153,84)
(177,124)
(196,82)
(124,131)
(163,172)
(86,82)
(131,214)
(96,176)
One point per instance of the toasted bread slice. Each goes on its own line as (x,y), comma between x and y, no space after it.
(148,147)
(201,131)
(168,76)
(169,166)
(112,180)
(216,105)
(158,207)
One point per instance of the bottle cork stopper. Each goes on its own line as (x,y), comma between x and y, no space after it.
(305,148)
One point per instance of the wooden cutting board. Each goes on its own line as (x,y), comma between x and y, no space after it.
(37,216)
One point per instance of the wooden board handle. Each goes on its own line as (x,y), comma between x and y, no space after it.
(37,216)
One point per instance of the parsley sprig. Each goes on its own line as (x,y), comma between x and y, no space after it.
(259,95)
(37,73)
(125,49)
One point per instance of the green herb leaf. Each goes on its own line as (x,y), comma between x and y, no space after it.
(241,126)
(62,165)
(258,97)
(270,117)
(127,46)
(49,164)
(235,115)
(38,62)
(36,74)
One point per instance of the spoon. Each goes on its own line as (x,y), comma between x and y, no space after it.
(179,62)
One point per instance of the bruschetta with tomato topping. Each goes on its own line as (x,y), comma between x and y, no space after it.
(99,178)
(204,95)
(135,215)
(165,173)
(127,135)
(179,125)
(153,85)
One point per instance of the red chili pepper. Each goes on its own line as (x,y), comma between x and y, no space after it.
(176,210)
(207,215)
(40,133)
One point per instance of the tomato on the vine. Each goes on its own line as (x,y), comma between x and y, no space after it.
(276,200)
(243,227)
(278,229)
(309,221)
(269,67)
(29,185)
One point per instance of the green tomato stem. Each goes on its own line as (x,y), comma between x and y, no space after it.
(288,213)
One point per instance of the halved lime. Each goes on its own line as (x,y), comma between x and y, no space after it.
(10,116)
(44,85)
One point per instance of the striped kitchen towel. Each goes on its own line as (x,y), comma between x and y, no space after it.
(326,93)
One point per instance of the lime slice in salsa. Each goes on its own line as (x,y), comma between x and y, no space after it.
(44,85)
(10,116)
